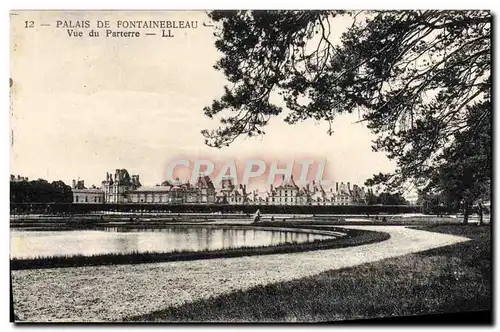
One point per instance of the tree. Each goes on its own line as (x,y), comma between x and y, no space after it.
(62,192)
(430,202)
(385,197)
(463,178)
(40,191)
(414,76)
(370,198)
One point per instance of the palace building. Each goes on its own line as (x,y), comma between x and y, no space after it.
(84,195)
(117,187)
(288,193)
(202,192)
(232,194)
(122,188)
(125,188)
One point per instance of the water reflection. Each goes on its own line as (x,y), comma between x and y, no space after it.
(26,244)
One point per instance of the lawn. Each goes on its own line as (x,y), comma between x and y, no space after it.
(443,280)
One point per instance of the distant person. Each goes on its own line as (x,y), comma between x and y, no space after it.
(256,217)
(480,211)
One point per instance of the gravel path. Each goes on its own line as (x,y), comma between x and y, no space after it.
(109,293)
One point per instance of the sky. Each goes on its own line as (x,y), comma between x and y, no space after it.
(81,107)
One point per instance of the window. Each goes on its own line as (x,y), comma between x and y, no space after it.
(76,198)
(86,199)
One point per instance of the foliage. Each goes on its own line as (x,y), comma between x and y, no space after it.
(40,191)
(430,203)
(416,78)
(464,176)
(385,198)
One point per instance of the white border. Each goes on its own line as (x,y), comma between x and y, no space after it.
(187,4)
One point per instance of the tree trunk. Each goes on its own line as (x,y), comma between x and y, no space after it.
(480,208)
(466,214)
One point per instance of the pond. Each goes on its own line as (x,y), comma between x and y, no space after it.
(31,244)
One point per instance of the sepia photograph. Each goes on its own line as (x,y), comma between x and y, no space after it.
(251,166)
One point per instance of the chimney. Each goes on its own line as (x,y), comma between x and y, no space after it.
(348,186)
(337,186)
(74,184)
(12,177)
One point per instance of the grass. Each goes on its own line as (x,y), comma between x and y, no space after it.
(448,279)
(372,220)
(352,238)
